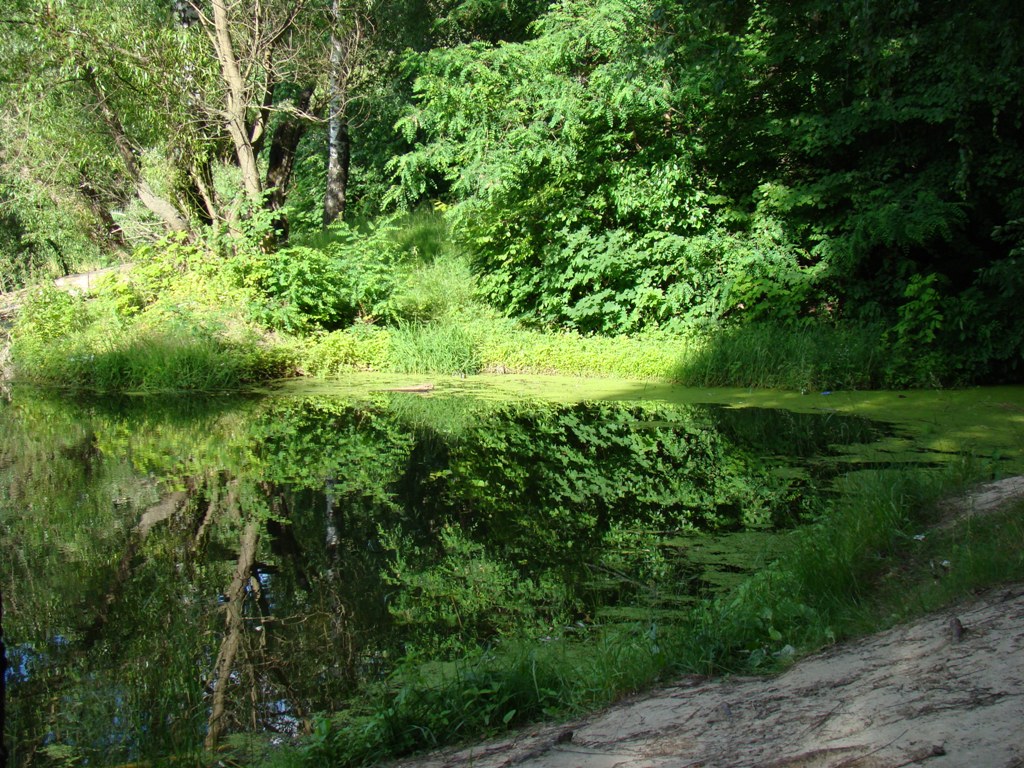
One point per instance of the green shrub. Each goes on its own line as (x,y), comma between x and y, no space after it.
(324,282)
(49,315)
(916,358)
(360,347)
(159,267)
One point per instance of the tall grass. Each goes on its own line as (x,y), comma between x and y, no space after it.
(440,290)
(426,706)
(809,357)
(955,560)
(506,347)
(438,348)
(149,362)
(815,358)
(825,584)
(423,234)
(61,341)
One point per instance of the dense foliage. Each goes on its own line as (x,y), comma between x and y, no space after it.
(637,164)
(605,166)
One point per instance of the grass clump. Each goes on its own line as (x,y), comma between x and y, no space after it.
(506,347)
(443,289)
(955,560)
(438,348)
(801,357)
(118,343)
(426,705)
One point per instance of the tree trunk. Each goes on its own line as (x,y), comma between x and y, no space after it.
(163,209)
(339,148)
(338,158)
(233,634)
(281,160)
(236,103)
(201,175)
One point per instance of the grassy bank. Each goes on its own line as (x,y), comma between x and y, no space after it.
(118,341)
(765,356)
(394,298)
(196,354)
(885,551)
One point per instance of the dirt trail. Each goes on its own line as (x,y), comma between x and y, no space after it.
(945,691)
(82,282)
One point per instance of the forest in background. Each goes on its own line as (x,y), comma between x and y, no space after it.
(603,167)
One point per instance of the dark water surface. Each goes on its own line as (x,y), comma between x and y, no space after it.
(179,571)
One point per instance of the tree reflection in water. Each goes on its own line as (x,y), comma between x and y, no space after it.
(180,572)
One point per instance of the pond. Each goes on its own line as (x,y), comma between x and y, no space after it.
(179,572)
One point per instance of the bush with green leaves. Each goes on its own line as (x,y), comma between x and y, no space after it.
(49,315)
(579,202)
(636,165)
(324,281)
(362,346)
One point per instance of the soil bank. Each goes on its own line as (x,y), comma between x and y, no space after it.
(946,691)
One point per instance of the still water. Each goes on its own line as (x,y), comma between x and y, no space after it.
(177,572)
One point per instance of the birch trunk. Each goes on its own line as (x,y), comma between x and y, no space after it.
(338,141)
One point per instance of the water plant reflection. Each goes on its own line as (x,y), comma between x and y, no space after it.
(180,573)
